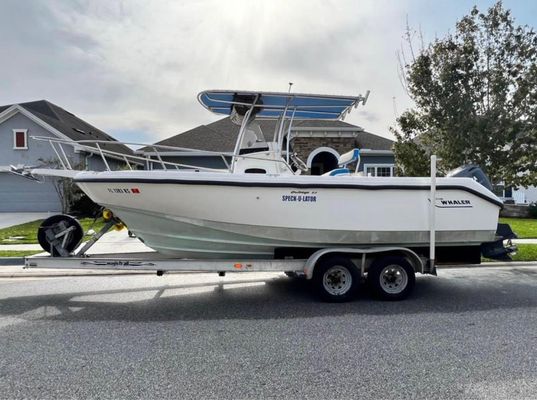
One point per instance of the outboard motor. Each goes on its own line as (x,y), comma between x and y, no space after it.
(496,250)
(471,171)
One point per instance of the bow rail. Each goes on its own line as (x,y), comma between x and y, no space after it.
(133,160)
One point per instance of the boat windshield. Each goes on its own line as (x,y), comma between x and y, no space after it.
(253,139)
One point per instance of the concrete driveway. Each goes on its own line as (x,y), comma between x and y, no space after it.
(11,219)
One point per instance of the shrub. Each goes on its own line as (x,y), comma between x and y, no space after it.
(74,200)
(533,210)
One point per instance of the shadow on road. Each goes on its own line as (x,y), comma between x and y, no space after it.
(454,291)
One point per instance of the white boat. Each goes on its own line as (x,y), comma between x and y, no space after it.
(263,206)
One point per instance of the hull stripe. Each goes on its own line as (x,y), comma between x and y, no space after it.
(287,185)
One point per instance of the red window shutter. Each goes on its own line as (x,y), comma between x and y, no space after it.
(20,140)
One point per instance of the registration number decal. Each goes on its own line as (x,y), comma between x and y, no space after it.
(123,190)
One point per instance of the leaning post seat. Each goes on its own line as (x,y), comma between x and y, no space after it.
(344,160)
(338,171)
(349,157)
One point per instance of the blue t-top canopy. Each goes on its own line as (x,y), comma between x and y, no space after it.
(273,105)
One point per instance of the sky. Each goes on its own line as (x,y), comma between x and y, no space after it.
(134,68)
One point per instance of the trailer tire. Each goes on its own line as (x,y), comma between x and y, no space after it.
(336,279)
(391,278)
(55,224)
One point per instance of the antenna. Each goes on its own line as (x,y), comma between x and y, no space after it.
(290,84)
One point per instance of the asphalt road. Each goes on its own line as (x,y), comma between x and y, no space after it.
(468,333)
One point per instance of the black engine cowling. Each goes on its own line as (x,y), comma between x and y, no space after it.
(471,171)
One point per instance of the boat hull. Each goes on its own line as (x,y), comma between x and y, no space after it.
(195,216)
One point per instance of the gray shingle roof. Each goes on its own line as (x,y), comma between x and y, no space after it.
(200,138)
(371,141)
(70,125)
(221,135)
(319,123)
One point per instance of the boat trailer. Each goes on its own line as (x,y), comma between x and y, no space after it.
(336,272)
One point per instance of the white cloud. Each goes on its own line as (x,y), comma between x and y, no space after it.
(138,65)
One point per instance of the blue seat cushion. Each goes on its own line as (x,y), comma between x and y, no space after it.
(338,171)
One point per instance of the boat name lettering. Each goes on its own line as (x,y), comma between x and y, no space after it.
(441,203)
(299,198)
(123,190)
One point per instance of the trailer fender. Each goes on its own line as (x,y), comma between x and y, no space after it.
(413,258)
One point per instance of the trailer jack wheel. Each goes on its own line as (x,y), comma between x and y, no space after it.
(391,278)
(59,235)
(336,279)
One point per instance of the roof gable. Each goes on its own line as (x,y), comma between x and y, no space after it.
(66,125)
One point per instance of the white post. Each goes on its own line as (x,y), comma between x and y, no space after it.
(432,208)
(244,122)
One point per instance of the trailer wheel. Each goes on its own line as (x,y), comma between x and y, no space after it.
(391,278)
(336,279)
(60,231)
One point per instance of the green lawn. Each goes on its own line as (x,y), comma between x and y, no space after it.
(28,231)
(523,227)
(18,253)
(526,252)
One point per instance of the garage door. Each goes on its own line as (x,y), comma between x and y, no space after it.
(18,194)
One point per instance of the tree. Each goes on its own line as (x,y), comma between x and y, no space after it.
(475,95)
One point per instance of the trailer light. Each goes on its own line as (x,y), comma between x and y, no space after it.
(237,266)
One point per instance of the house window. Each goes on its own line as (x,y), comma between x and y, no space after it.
(20,139)
(378,169)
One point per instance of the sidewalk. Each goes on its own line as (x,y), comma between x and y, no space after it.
(524,241)
(111,242)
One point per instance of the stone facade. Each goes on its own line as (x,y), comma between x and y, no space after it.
(303,146)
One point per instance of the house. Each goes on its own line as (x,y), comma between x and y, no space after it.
(18,123)
(516,195)
(318,143)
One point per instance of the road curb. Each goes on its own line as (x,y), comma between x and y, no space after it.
(18,272)
(491,265)
(69,274)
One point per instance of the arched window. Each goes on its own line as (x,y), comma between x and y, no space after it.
(322,160)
